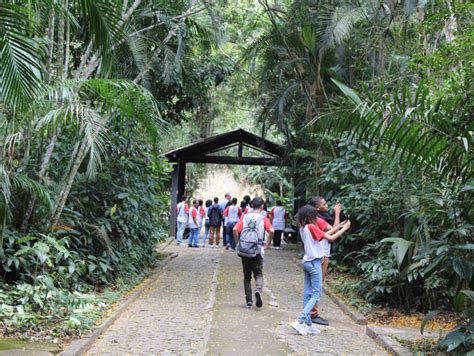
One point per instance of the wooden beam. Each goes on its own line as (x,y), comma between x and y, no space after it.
(210,144)
(252,161)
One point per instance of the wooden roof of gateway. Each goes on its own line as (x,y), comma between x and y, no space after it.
(204,151)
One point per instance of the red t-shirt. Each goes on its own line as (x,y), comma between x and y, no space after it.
(266,223)
(317,230)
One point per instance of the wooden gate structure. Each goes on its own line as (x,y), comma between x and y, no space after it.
(218,149)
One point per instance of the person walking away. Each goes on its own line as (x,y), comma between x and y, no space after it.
(232,213)
(251,228)
(312,233)
(224,204)
(278,217)
(320,204)
(200,217)
(193,225)
(215,222)
(182,210)
(206,222)
(226,240)
(244,203)
(249,208)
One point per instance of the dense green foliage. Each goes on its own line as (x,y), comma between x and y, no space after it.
(396,149)
(372,99)
(88,92)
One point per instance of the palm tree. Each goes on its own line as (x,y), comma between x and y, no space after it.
(58,96)
(409,124)
(298,59)
(20,56)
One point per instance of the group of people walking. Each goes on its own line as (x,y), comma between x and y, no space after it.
(250,230)
(219,219)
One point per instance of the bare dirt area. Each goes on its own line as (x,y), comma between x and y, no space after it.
(221,180)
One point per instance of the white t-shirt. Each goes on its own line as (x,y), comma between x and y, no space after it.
(181,215)
(278,220)
(191,223)
(326,247)
(232,214)
(313,248)
(199,217)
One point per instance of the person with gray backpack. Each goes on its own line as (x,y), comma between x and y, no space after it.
(249,235)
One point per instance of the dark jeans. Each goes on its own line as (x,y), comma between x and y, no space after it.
(255,265)
(228,233)
(277,238)
(223,232)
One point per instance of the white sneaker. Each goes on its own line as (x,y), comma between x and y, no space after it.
(203,245)
(313,330)
(301,328)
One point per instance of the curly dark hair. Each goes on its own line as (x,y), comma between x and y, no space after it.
(306,215)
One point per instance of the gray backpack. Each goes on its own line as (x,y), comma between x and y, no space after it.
(251,237)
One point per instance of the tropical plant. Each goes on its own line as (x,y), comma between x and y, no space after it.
(83,189)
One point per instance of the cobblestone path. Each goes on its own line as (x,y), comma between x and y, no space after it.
(342,337)
(196,306)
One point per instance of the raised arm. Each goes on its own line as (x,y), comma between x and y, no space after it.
(333,236)
(337,213)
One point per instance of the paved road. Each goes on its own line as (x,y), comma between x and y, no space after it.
(197,306)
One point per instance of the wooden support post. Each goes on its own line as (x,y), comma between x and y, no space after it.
(181,179)
(177,191)
(174,199)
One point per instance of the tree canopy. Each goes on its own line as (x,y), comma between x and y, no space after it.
(372,100)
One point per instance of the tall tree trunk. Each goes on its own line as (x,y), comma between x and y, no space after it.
(41,174)
(381,58)
(60,48)
(450,25)
(50,39)
(69,180)
(202,117)
(66,52)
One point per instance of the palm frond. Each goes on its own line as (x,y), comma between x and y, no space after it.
(23,183)
(90,125)
(95,136)
(132,100)
(5,196)
(335,24)
(104,21)
(408,128)
(5,184)
(137,47)
(20,58)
